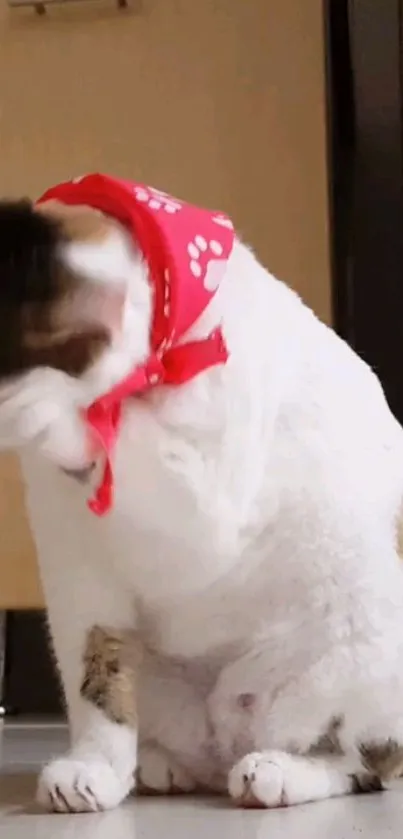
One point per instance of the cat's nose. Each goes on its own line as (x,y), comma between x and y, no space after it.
(83,474)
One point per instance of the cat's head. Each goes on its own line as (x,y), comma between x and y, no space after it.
(75,309)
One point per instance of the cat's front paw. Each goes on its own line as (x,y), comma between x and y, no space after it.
(69,785)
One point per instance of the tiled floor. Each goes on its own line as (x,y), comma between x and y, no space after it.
(25,747)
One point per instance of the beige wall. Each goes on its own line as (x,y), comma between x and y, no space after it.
(221,101)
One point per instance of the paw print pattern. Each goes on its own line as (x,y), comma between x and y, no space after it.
(157,200)
(201,255)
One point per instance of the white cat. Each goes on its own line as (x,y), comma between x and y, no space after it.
(253,543)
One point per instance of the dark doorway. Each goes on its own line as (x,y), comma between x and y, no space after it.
(31,681)
(363,41)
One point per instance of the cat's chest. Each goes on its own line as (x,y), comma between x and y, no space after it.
(215,623)
(190,631)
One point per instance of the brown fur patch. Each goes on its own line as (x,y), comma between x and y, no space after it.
(363,783)
(329,742)
(50,337)
(78,223)
(72,352)
(110,674)
(49,315)
(384,759)
(59,345)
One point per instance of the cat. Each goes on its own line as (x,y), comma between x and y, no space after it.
(235,622)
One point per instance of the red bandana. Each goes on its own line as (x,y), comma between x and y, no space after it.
(186,249)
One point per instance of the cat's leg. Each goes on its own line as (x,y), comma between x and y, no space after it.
(295,772)
(271,736)
(274,779)
(89,618)
(90,611)
(336,657)
(278,779)
(266,740)
(175,738)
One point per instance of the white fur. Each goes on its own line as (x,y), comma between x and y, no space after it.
(277,779)
(253,545)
